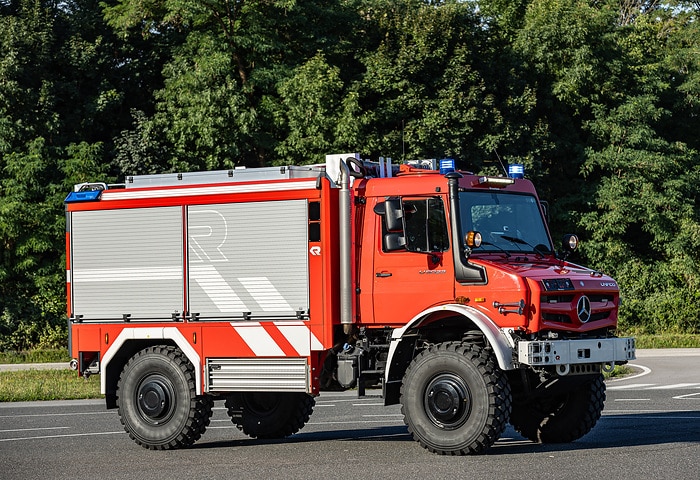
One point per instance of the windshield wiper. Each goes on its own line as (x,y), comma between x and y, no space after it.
(539,249)
(503,250)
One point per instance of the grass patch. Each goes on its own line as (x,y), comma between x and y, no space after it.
(618,371)
(31,385)
(36,356)
(668,340)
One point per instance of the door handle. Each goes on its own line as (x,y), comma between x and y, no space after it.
(383,274)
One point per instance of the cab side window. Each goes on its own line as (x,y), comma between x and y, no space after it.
(424,225)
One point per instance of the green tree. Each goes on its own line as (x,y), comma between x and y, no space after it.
(219,104)
(313,113)
(61,95)
(644,159)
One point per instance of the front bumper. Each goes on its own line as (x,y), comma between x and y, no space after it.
(610,351)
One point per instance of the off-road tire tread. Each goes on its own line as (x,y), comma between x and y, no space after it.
(200,408)
(301,411)
(540,426)
(497,386)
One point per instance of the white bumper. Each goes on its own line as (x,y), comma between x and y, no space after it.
(572,352)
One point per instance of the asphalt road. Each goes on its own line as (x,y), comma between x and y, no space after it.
(650,429)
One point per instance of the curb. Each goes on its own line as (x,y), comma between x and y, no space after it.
(15,367)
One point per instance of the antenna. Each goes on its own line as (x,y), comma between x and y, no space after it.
(505,170)
(403,140)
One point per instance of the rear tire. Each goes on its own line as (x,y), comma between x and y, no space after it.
(270,414)
(562,418)
(454,399)
(157,400)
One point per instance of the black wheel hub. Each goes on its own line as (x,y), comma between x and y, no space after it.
(155,399)
(262,403)
(447,401)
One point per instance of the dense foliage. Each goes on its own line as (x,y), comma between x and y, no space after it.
(599,98)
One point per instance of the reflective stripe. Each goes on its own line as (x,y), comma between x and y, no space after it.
(259,340)
(188,192)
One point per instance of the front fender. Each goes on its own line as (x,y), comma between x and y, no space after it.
(499,341)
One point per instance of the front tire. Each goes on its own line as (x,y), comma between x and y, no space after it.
(454,399)
(562,418)
(270,414)
(157,400)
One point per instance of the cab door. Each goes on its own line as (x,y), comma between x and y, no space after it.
(412,265)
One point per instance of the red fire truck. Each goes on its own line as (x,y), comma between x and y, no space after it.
(261,287)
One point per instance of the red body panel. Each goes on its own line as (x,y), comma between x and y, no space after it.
(390,289)
(226,339)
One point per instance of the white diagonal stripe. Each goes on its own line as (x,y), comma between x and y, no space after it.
(298,336)
(265,294)
(217,289)
(259,341)
(316,344)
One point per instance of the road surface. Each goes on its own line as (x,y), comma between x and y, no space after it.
(649,429)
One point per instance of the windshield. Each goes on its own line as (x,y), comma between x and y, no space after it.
(507,222)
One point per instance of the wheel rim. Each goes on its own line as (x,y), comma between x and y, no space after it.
(447,401)
(155,398)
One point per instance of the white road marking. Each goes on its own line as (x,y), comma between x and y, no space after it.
(33,429)
(633,386)
(680,386)
(43,437)
(353,422)
(645,371)
(694,396)
(73,414)
(654,386)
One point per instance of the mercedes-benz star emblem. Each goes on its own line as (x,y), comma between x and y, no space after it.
(583,309)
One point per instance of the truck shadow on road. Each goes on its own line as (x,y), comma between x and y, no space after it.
(612,431)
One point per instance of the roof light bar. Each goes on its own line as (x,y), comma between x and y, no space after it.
(86,196)
(495,182)
(85,192)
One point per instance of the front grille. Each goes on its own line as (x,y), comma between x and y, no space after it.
(556,317)
(562,308)
(599,316)
(601,298)
(557,298)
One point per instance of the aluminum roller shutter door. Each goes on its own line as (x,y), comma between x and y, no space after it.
(127,261)
(248,257)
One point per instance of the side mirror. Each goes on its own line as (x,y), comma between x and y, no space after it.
(394,241)
(393,215)
(394,237)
